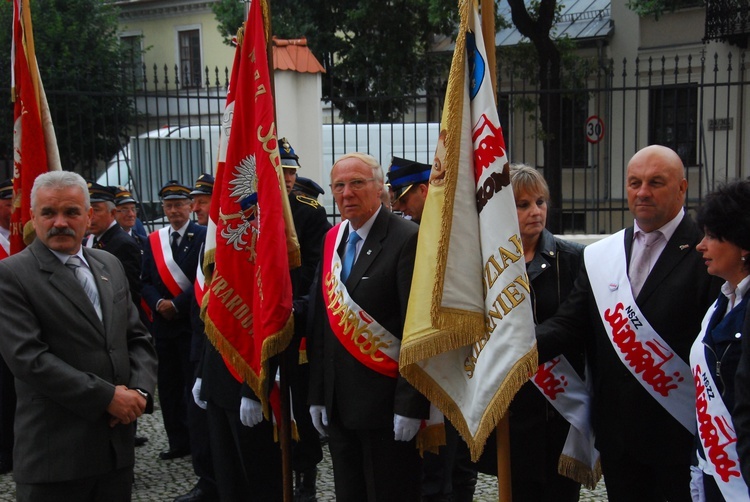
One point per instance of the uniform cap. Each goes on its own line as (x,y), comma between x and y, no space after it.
(123,196)
(308,187)
(100,193)
(289,159)
(204,185)
(6,189)
(173,189)
(403,174)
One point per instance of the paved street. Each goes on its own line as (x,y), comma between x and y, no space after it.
(158,480)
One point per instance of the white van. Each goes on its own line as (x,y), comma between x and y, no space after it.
(153,158)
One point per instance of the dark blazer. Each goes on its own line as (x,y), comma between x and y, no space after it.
(67,363)
(741,413)
(116,241)
(154,288)
(379,282)
(674,299)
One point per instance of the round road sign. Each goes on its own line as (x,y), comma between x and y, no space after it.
(594,129)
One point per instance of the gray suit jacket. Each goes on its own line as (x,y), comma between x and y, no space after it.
(67,363)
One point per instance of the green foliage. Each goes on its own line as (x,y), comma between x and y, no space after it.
(230,14)
(658,8)
(80,62)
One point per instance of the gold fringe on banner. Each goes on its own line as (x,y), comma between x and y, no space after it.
(579,472)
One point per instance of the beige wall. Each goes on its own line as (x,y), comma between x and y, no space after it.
(159,23)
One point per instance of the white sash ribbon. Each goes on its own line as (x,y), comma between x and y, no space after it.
(644,353)
(5,244)
(361,335)
(560,384)
(715,429)
(171,274)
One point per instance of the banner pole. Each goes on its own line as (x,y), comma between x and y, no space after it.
(504,492)
(285,427)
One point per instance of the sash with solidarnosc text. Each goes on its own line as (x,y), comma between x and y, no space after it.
(171,274)
(716,432)
(362,336)
(664,375)
(566,391)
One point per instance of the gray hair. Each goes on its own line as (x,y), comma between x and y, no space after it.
(369,160)
(58,180)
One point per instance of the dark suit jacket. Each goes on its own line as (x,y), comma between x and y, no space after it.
(741,412)
(67,363)
(154,288)
(116,241)
(674,299)
(379,282)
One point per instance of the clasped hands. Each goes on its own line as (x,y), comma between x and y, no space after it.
(126,406)
(404,428)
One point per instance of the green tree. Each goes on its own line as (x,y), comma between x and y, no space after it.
(80,62)
(370,50)
(657,8)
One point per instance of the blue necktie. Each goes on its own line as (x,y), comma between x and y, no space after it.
(351,252)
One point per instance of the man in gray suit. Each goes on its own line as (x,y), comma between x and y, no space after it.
(85,367)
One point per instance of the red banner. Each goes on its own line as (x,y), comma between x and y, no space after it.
(34,143)
(249,299)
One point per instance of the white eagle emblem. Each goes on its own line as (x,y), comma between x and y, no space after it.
(244,191)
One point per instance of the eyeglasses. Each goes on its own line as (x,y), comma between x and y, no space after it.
(355,184)
(128,210)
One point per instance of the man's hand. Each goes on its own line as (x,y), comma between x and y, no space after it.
(166,309)
(319,419)
(405,428)
(197,394)
(126,406)
(251,412)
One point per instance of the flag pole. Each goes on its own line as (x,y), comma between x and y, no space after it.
(285,427)
(504,492)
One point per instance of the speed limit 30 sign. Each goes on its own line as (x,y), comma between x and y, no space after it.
(594,129)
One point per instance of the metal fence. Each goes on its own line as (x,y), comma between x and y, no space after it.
(695,103)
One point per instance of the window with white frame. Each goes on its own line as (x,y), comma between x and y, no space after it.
(189,63)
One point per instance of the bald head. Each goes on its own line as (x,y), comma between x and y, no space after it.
(656,186)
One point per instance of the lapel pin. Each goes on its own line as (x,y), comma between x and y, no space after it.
(683,247)
(104,278)
(369,252)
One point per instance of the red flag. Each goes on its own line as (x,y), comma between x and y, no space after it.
(248,302)
(34,143)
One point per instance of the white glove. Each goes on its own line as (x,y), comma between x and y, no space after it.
(696,484)
(197,394)
(319,418)
(251,412)
(405,428)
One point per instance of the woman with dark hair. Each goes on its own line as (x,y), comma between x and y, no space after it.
(539,431)
(714,358)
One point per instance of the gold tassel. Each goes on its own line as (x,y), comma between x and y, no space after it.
(579,472)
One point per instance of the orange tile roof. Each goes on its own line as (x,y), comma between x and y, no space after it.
(294,55)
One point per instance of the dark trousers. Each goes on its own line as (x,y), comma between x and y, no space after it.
(200,446)
(450,475)
(248,462)
(114,486)
(307,452)
(369,465)
(175,375)
(7,413)
(627,480)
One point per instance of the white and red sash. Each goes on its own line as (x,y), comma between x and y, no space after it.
(362,336)
(171,274)
(715,428)
(199,286)
(560,384)
(4,247)
(664,375)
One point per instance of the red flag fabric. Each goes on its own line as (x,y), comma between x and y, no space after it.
(248,302)
(34,142)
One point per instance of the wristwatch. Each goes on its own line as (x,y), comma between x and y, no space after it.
(142,393)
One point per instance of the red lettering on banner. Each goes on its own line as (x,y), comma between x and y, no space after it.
(488,145)
(642,357)
(546,380)
(711,430)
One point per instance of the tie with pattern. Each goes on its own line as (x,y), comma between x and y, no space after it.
(75,264)
(351,252)
(640,263)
